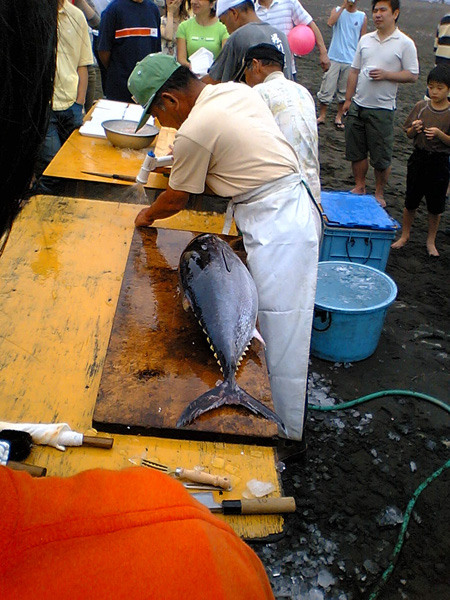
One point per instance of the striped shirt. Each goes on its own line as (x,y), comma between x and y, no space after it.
(284,15)
(442,41)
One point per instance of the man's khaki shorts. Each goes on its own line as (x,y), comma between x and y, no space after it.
(334,81)
(369,131)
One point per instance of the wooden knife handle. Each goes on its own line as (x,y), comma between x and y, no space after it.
(33,470)
(261,506)
(202,477)
(98,442)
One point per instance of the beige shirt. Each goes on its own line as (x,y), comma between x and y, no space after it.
(73,51)
(230,141)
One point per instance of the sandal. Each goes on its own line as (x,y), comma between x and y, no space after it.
(339,126)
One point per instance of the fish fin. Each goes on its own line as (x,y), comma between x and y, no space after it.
(259,337)
(227,393)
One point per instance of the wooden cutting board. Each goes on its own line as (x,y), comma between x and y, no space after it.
(158,359)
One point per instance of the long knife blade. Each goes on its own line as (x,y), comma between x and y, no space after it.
(111,176)
(256,506)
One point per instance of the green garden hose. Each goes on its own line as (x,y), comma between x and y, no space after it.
(398,547)
(363,399)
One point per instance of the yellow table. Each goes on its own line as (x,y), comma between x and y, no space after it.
(81,153)
(60,277)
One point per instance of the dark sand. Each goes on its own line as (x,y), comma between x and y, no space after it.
(358,465)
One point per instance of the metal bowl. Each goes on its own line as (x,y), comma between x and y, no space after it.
(122,134)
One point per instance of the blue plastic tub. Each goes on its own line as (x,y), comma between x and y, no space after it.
(350,307)
(357,229)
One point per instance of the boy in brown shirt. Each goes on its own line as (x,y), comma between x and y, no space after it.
(428,124)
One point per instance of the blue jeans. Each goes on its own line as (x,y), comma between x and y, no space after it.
(61,125)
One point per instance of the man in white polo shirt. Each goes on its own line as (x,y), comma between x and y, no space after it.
(383,59)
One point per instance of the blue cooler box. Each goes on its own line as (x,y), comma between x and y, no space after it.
(356,229)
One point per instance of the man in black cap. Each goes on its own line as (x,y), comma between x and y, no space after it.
(291,104)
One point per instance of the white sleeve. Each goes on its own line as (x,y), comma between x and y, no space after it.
(299,15)
(410,61)
(356,64)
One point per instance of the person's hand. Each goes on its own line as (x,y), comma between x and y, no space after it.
(432,132)
(378,74)
(77,110)
(142,220)
(173,6)
(346,106)
(324,61)
(417,125)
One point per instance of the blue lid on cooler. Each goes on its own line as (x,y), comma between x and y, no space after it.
(344,209)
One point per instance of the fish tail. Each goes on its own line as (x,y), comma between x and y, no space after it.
(227,393)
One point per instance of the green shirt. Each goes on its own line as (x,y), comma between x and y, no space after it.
(197,36)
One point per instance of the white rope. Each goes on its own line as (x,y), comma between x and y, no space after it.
(57,435)
(70,438)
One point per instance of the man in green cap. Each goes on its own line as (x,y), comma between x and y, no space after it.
(228,140)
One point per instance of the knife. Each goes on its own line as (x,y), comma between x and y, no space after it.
(33,470)
(255,506)
(112,176)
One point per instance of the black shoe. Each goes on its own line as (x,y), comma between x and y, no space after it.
(291,450)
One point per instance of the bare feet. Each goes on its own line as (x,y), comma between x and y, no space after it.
(432,250)
(381,201)
(399,243)
(358,190)
(320,121)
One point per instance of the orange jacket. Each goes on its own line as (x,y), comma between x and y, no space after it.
(133,534)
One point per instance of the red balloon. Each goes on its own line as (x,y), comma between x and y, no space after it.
(301,40)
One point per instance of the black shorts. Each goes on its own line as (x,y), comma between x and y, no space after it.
(427,175)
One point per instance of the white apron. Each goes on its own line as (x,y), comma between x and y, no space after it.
(281,231)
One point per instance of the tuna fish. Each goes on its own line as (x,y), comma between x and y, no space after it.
(222,294)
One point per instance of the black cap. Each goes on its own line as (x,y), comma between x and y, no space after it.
(265,51)
(261,51)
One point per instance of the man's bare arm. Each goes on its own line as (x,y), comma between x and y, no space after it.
(335,14)
(351,87)
(323,54)
(105,57)
(82,85)
(397,76)
(169,203)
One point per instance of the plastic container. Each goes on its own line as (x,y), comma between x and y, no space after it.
(357,229)
(350,308)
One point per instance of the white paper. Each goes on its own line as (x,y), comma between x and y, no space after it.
(108,110)
(201,61)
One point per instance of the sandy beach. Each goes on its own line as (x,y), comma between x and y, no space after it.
(364,464)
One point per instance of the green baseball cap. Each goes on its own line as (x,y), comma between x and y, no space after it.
(148,77)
